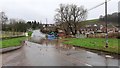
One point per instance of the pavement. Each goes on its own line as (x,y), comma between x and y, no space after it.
(3,50)
(54,53)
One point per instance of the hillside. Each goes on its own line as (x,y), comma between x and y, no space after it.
(98,22)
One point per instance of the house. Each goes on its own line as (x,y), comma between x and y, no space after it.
(91,29)
(48,27)
(98,28)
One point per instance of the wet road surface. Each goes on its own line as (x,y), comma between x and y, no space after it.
(53,53)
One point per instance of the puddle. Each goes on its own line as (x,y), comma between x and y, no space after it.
(58,45)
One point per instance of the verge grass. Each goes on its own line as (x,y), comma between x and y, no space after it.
(11,42)
(95,43)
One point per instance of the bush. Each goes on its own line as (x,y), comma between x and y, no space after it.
(30,33)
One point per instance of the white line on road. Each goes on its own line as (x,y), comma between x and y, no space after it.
(88,65)
(90,52)
(108,56)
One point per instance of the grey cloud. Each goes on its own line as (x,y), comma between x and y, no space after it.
(41,9)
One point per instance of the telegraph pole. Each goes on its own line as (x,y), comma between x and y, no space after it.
(46,22)
(46,28)
(46,34)
(106,24)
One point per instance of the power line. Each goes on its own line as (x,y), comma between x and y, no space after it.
(97,5)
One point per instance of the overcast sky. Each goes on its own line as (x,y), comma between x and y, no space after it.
(41,9)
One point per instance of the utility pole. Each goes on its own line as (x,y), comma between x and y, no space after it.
(46,28)
(46,24)
(46,33)
(106,24)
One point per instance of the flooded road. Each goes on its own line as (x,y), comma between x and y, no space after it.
(54,53)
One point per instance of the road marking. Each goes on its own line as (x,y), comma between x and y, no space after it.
(88,65)
(90,52)
(108,56)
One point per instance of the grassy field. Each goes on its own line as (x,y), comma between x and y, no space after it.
(11,42)
(94,21)
(97,21)
(95,43)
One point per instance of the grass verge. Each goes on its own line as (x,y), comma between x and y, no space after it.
(95,43)
(11,42)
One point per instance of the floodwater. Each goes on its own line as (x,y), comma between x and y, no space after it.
(41,52)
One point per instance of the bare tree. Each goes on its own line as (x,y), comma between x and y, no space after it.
(3,20)
(3,17)
(70,16)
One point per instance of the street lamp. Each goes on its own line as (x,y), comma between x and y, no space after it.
(106,24)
